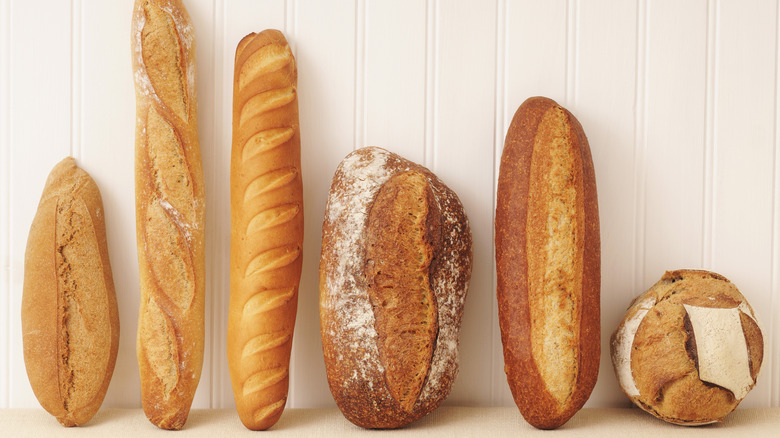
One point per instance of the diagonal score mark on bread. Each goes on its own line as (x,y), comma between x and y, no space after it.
(166,73)
(267,226)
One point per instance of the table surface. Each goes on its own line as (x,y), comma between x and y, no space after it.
(446,421)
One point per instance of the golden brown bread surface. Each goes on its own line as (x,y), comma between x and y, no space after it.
(394,271)
(548,263)
(689,348)
(266,198)
(169,211)
(70,322)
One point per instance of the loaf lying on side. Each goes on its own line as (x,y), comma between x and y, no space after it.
(394,271)
(70,322)
(170,208)
(689,349)
(266,238)
(548,263)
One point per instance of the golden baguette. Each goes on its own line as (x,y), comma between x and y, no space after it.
(169,211)
(266,207)
(70,321)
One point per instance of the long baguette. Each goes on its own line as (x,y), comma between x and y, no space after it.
(548,263)
(169,211)
(70,319)
(266,205)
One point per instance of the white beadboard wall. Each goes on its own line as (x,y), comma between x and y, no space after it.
(679,101)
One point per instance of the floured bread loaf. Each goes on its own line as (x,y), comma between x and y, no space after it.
(395,267)
(689,349)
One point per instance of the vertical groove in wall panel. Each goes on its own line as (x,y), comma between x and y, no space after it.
(711,78)
(5,195)
(431,74)
(774,323)
(326,82)
(360,75)
(40,69)
(76,115)
(462,158)
(499,115)
(743,157)
(572,17)
(640,145)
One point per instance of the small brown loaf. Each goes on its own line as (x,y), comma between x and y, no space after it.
(170,208)
(266,206)
(548,263)
(70,322)
(709,358)
(394,271)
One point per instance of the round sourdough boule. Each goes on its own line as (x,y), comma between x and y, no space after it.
(689,349)
(394,271)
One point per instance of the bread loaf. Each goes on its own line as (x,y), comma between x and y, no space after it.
(70,323)
(394,271)
(170,207)
(266,207)
(689,349)
(548,263)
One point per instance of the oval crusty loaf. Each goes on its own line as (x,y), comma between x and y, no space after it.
(170,207)
(548,263)
(70,322)
(394,271)
(689,349)
(266,198)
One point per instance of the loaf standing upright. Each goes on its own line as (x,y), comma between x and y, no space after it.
(548,263)
(170,209)
(266,238)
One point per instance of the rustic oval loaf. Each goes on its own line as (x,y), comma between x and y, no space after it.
(711,352)
(548,263)
(266,239)
(394,272)
(70,322)
(170,211)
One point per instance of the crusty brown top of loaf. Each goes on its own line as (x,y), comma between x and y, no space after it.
(403,226)
(70,320)
(663,354)
(548,263)
(356,374)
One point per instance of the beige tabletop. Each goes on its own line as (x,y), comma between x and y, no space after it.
(444,422)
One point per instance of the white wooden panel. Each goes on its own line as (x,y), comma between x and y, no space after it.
(5,195)
(533,61)
(327,59)
(603,103)
(743,157)
(678,99)
(40,104)
(675,110)
(394,106)
(106,144)
(464,128)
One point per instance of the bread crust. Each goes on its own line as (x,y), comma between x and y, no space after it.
(170,211)
(669,379)
(266,198)
(356,373)
(548,279)
(69,351)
